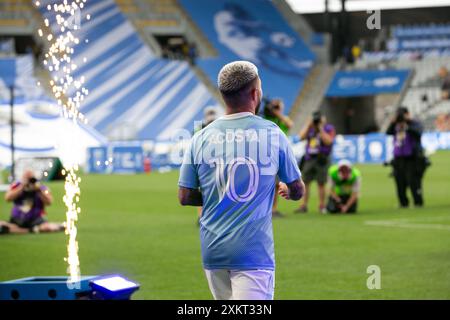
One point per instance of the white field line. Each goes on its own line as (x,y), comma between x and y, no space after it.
(410,224)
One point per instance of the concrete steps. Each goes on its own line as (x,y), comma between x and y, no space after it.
(311,95)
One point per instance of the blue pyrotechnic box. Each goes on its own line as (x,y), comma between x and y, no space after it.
(110,287)
(44,288)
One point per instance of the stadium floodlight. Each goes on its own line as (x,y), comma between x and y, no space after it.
(113,287)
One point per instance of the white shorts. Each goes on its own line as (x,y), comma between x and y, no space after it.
(241,284)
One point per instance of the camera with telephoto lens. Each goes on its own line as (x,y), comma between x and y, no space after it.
(30,187)
(317,118)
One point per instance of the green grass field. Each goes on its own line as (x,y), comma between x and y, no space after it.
(133,225)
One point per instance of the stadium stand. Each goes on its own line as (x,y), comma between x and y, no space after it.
(257,32)
(20,69)
(15,15)
(424,49)
(40,127)
(134,94)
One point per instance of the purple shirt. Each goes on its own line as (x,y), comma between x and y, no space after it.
(315,145)
(27,207)
(404,144)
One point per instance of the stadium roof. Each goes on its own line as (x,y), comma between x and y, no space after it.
(317,6)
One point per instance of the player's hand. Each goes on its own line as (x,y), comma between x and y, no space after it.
(344,209)
(283,190)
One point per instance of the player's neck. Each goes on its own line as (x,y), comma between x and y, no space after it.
(229,110)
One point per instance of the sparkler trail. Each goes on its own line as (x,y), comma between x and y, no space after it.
(58,60)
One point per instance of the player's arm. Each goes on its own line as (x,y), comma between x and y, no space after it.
(391,128)
(14,192)
(335,196)
(190,197)
(304,132)
(332,186)
(285,119)
(353,197)
(293,190)
(188,184)
(45,195)
(350,202)
(327,137)
(292,186)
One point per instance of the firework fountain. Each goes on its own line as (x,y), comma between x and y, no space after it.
(69,92)
(58,60)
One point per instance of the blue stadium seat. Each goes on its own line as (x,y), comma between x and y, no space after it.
(255,31)
(127,84)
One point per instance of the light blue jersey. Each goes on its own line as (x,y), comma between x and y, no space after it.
(234,162)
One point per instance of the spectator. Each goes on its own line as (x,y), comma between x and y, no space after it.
(442,122)
(319,136)
(273,111)
(30,199)
(356,52)
(445,86)
(409,161)
(345,184)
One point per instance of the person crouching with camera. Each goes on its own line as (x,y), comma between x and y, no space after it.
(409,161)
(345,184)
(319,136)
(30,198)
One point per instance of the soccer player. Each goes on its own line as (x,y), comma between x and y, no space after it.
(230,169)
(345,184)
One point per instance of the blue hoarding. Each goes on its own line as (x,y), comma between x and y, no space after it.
(97,157)
(127,159)
(116,158)
(366,82)
(378,147)
(369,148)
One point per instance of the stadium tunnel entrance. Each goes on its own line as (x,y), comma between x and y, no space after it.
(355,115)
(360,115)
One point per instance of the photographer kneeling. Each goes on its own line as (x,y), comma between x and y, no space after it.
(30,199)
(345,183)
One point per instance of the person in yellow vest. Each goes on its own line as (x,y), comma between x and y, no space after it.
(345,184)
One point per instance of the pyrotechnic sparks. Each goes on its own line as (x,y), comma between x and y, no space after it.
(71,199)
(69,92)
